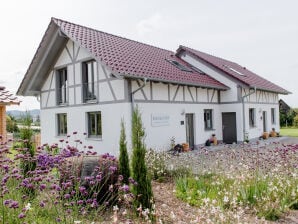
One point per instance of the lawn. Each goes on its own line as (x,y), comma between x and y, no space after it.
(292,132)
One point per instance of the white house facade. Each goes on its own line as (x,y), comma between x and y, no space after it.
(88,81)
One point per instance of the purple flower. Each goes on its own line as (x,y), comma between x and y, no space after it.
(14,204)
(21,215)
(42,204)
(125,188)
(67,196)
(112,168)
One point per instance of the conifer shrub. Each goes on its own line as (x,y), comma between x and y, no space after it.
(142,189)
(124,168)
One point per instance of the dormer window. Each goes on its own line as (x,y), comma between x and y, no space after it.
(179,65)
(234,70)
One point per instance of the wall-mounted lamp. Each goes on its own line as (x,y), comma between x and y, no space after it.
(182,111)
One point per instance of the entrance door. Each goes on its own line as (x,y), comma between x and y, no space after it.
(264,121)
(189,124)
(229,130)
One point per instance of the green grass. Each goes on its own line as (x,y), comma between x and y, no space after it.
(292,132)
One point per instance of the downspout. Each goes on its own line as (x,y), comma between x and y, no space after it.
(132,95)
(243,109)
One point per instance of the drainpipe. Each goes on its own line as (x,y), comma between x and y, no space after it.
(132,95)
(243,109)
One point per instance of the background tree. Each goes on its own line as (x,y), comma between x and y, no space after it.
(11,124)
(143,189)
(124,168)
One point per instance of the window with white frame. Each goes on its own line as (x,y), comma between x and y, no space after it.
(62,124)
(94,124)
(88,74)
(252,117)
(273,116)
(208,119)
(62,94)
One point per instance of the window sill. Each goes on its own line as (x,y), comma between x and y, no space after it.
(94,138)
(209,129)
(90,102)
(62,104)
(252,127)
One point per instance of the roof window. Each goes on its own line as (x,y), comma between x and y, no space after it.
(180,66)
(234,70)
(198,70)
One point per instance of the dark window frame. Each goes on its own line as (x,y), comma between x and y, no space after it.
(208,116)
(273,116)
(179,65)
(61,124)
(62,86)
(252,117)
(94,124)
(88,81)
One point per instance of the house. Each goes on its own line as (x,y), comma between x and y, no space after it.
(6,99)
(88,80)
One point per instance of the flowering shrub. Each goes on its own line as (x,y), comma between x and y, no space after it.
(261,181)
(59,188)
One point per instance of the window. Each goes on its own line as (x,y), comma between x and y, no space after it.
(94,124)
(273,116)
(88,81)
(208,117)
(252,117)
(62,96)
(62,124)
(179,65)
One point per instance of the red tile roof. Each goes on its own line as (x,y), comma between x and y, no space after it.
(134,59)
(7,98)
(236,71)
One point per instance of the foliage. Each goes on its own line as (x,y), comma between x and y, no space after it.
(262,181)
(286,118)
(295,122)
(143,189)
(71,196)
(156,164)
(124,168)
(11,124)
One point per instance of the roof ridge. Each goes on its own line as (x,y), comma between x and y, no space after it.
(118,36)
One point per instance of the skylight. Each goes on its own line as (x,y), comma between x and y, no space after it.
(234,70)
(198,70)
(180,66)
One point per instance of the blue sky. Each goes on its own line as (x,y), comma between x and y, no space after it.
(260,35)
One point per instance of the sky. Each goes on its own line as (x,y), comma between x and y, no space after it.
(259,35)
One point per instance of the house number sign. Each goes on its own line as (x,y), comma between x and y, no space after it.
(160,120)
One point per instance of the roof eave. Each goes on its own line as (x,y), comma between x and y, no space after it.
(174,82)
(41,62)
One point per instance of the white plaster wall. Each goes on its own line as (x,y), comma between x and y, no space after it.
(160,91)
(76,121)
(118,87)
(49,83)
(226,96)
(63,59)
(159,137)
(255,132)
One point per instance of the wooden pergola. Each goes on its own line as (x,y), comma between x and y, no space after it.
(6,99)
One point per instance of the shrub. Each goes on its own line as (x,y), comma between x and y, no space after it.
(124,168)
(142,190)
(156,164)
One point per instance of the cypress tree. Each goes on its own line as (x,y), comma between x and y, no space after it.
(142,190)
(124,169)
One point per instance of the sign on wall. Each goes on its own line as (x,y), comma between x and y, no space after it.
(160,120)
